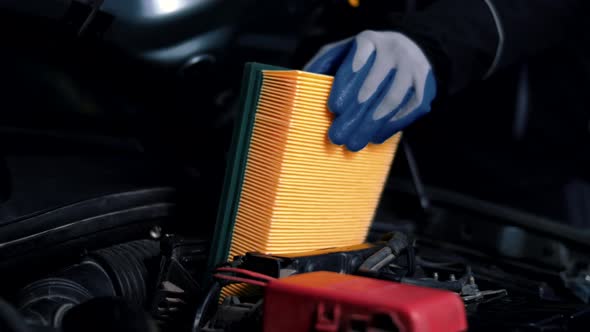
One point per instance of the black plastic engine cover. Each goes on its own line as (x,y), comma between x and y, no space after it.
(60,206)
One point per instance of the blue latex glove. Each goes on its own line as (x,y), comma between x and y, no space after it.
(383,82)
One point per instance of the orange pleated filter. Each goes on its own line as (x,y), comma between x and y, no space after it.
(300,192)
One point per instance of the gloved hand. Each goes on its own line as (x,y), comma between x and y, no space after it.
(383,82)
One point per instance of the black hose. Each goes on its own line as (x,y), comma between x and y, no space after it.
(127,266)
(211,296)
(375,259)
(120,271)
(395,245)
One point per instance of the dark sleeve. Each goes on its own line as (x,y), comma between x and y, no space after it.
(467,40)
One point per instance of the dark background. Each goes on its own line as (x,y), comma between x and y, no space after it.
(72,104)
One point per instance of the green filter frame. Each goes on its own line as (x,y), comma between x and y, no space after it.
(237,160)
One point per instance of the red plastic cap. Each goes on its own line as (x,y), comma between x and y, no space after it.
(327,301)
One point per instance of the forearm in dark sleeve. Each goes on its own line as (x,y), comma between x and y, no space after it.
(467,40)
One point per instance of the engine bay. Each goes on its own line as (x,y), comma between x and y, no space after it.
(116,132)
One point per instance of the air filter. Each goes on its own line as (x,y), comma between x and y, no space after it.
(288,188)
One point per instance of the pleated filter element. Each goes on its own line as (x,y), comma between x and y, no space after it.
(293,190)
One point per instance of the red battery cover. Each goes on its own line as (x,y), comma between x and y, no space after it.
(328,301)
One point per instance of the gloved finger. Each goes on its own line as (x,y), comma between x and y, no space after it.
(410,111)
(396,96)
(349,77)
(329,57)
(370,125)
(384,62)
(351,118)
(423,96)
(344,125)
(392,99)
